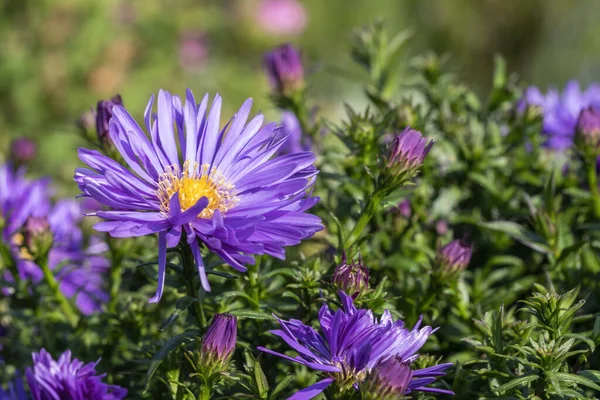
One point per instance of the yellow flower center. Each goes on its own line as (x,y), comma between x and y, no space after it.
(192,184)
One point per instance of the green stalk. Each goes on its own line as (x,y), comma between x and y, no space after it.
(58,295)
(365,217)
(593,184)
(191,272)
(115,277)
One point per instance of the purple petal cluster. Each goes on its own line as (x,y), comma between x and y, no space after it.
(104,114)
(284,69)
(351,277)
(561,110)
(68,379)
(390,379)
(408,150)
(291,130)
(455,256)
(588,128)
(218,343)
(219,186)
(14,391)
(79,269)
(350,343)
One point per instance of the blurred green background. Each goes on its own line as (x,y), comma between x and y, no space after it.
(59,57)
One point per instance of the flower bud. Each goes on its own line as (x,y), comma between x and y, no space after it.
(588,130)
(285,70)
(407,153)
(218,343)
(37,236)
(389,379)
(103,115)
(404,209)
(22,150)
(351,278)
(441,227)
(454,257)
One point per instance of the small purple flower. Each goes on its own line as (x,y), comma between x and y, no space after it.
(404,208)
(454,257)
(408,150)
(281,17)
(104,112)
(22,150)
(561,111)
(350,277)
(389,379)
(291,130)
(68,379)
(350,343)
(218,344)
(218,186)
(285,70)
(588,129)
(14,391)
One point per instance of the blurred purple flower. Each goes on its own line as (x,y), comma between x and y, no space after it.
(455,256)
(22,150)
(68,379)
(561,110)
(223,188)
(349,345)
(14,391)
(285,70)
(291,129)
(281,17)
(441,227)
(404,208)
(193,52)
(103,115)
(588,129)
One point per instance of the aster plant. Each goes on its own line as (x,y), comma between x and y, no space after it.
(350,343)
(222,188)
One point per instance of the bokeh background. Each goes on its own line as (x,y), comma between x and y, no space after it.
(59,57)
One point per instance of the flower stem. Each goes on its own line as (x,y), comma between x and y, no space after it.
(365,217)
(593,184)
(58,295)
(191,272)
(116,269)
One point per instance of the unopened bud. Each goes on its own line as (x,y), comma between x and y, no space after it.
(22,150)
(37,236)
(407,153)
(350,277)
(454,257)
(588,131)
(218,343)
(389,379)
(285,70)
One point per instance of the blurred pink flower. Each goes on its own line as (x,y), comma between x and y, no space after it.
(282,17)
(193,52)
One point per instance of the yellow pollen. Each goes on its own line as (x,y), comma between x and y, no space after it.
(202,181)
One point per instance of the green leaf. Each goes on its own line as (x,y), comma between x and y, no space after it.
(519,233)
(171,344)
(591,375)
(281,385)
(251,314)
(261,381)
(578,379)
(180,306)
(221,274)
(521,381)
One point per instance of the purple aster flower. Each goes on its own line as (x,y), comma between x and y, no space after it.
(281,17)
(454,257)
(218,343)
(561,111)
(22,150)
(408,150)
(285,70)
(68,379)
(350,277)
(291,131)
(14,391)
(389,379)
(350,343)
(218,186)
(104,114)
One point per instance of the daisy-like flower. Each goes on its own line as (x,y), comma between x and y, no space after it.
(561,110)
(218,186)
(68,379)
(26,211)
(351,342)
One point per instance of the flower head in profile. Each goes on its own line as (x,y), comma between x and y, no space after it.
(350,343)
(285,70)
(218,343)
(408,150)
(104,114)
(561,110)
(68,378)
(454,257)
(191,178)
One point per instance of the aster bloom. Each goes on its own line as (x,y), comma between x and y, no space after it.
(408,150)
(350,343)
(285,70)
(291,131)
(350,277)
(281,17)
(588,130)
(68,379)
(104,114)
(561,110)
(223,188)
(22,150)
(389,379)
(218,343)
(454,257)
